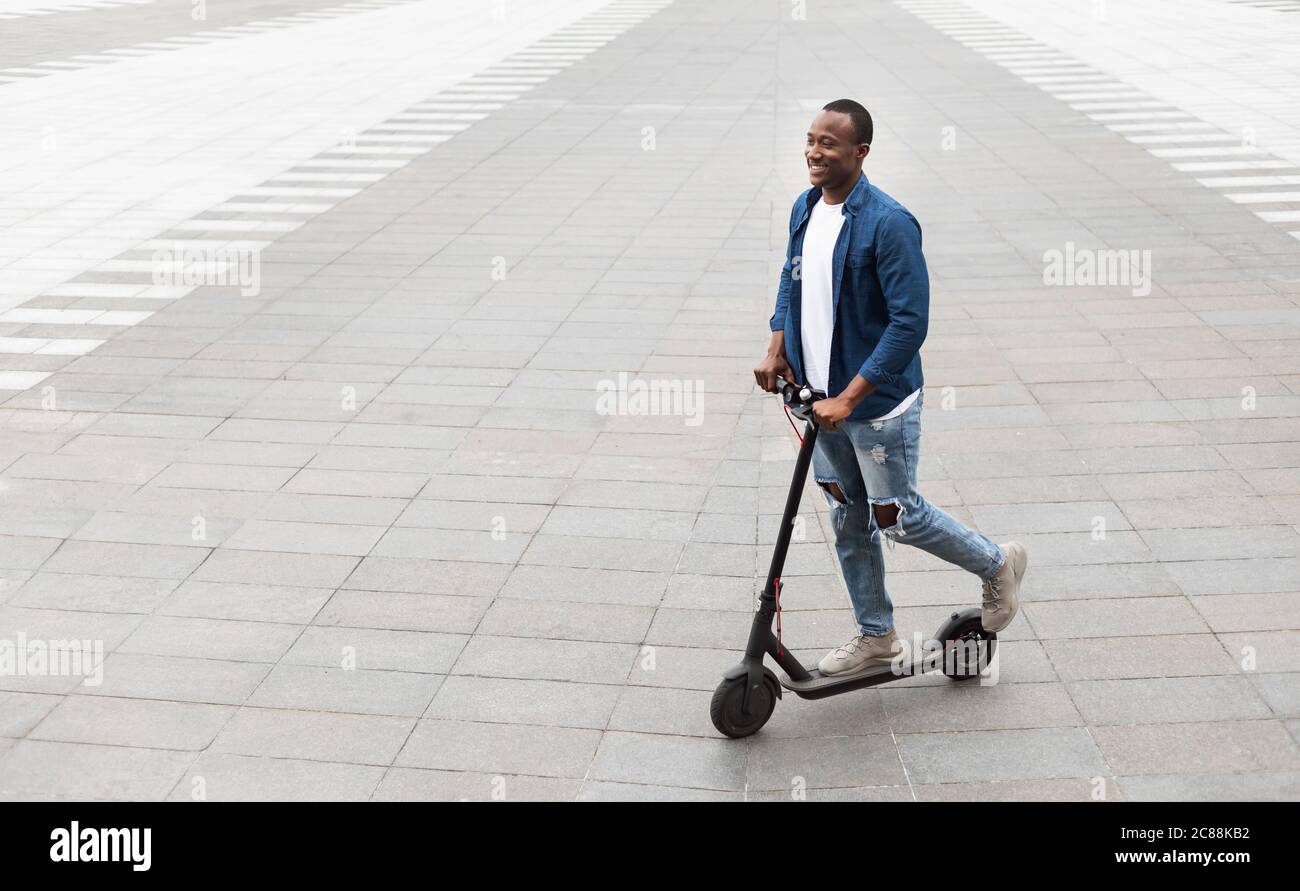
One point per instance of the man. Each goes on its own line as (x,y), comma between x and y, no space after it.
(851,315)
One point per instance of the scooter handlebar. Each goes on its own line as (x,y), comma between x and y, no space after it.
(799,398)
(795,394)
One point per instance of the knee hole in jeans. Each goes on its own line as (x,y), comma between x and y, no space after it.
(886,514)
(833,489)
(891,510)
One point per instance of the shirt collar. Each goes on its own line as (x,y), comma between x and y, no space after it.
(852,204)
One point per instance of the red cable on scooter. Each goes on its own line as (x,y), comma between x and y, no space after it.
(789,417)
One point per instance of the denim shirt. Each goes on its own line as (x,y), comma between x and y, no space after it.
(880,295)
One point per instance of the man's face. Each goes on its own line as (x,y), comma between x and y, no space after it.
(832,151)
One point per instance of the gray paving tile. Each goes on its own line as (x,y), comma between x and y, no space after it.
(403,612)
(367,648)
(833,762)
(960,707)
(314,736)
(1045,753)
(137,723)
(23,711)
(217,639)
(136,560)
(1135,616)
(1261,786)
(567,621)
(1270,651)
(254,602)
(594,790)
(500,748)
(1279,691)
(858,793)
(417,576)
(1198,748)
(601,553)
(39,770)
(1167,700)
(350,690)
(1021,790)
(91,593)
(222,777)
(653,759)
(312,570)
(539,658)
(1247,612)
(179,678)
(418,784)
(514,701)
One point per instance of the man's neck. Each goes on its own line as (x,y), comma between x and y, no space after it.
(840,193)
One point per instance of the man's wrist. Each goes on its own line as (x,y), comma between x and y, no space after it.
(776,346)
(858,389)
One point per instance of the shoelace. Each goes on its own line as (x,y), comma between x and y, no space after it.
(851,648)
(992,590)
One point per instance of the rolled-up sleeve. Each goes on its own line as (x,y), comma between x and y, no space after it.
(905,281)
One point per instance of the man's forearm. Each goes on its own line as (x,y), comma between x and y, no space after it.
(776,346)
(858,389)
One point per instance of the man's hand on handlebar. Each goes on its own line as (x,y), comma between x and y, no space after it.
(773,365)
(829,412)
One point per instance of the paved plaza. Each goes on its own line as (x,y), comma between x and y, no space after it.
(325,335)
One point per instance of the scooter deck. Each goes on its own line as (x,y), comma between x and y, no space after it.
(820,685)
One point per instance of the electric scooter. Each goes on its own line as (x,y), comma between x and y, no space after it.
(747,696)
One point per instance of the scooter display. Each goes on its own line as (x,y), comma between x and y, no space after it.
(745,699)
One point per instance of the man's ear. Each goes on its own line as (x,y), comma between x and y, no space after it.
(865,148)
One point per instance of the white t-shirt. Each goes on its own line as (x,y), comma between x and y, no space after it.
(901,407)
(817,323)
(817,320)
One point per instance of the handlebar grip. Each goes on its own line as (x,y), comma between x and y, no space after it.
(792,393)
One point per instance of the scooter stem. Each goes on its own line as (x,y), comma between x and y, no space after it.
(792,501)
(761,639)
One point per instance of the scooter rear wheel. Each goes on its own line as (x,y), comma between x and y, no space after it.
(725,709)
(968,651)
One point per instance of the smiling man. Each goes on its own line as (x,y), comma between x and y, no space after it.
(851,314)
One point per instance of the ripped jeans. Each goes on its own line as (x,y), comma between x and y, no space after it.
(874,462)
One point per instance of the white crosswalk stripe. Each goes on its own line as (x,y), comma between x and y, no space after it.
(287,197)
(1165,131)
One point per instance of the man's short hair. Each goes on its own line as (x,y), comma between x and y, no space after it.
(862,126)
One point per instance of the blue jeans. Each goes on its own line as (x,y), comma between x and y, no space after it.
(874,463)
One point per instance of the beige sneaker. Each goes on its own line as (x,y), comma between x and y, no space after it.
(860,652)
(1002,592)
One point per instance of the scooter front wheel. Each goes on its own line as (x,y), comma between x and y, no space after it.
(725,709)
